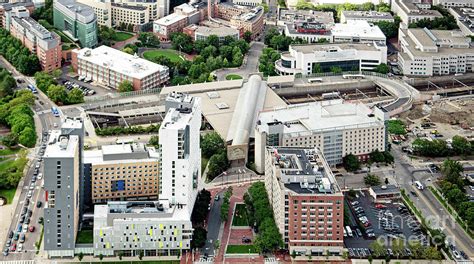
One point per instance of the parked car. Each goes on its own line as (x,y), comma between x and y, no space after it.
(32,229)
(38,204)
(380,206)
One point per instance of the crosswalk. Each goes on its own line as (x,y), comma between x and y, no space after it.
(18,262)
(271,261)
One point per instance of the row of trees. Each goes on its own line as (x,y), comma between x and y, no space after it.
(440,148)
(390,29)
(446,22)
(117,130)
(396,126)
(267,61)
(452,188)
(57,93)
(260,212)
(17,54)
(15,113)
(226,204)
(398,247)
(198,216)
(277,41)
(352,163)
(10,177)
(213,148)
(7,83)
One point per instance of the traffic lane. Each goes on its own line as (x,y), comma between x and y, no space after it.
(214,224)
(450,227)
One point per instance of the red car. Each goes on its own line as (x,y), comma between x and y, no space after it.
(13,248)
(380,206)
(31,229)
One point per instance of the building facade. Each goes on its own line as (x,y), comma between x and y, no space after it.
(122,172)
(313,58)
(44,44)
(181,155)
(134,15)
(427,52)
(307,203)
(369,16)
(183,15)
(61,185)
(111,67)
(309,25)
(335,127)
(242,18)
(454,3)
(253,3)
(76,20)
(152,228)
(6,14)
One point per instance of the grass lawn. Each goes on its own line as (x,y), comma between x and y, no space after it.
(204,162)
(240,216)
(233,77)
(7,164)
(9,151)
(131,262)
(9,194)
(121,36)
(85,237)
(242,249)
(171,54)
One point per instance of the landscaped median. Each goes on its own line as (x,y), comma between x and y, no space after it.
(436,193)
(168,53)
(241,249)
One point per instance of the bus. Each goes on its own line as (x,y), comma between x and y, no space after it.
(353,76)
(55,111)
(32,88)
(315,80)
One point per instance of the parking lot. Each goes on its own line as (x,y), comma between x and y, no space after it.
(385,222)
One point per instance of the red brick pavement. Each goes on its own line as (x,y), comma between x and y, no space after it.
(237,234)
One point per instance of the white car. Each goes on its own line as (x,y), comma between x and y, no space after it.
(40,176)
(456,254)
(25,228)
(30,193)
(20,247)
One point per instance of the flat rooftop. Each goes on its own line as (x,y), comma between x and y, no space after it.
(219,100)
(357,28)
(78,8)
(120,62)
(321,116)
(303,170)
(60,146)
(385,189)
(306,15)
(218,31)
(367,14)
(311,48)
(434,38)
(121,153)
(169,19)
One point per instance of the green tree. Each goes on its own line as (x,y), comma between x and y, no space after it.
(57,73)
(148,39)
(398,246)
(128,50)
(199,237)
(247,36)
(120,255)
(372,180)
(57,93)
(461,146)
(27,137)
(75,96)
(432,253)
(125,86)
(382,68)
(211,143)
(10,140)
(351,162)
(217,164)
(317,68)
(269,237)
(225,211)
(101,257)
(293,255)
(377,248)
(154,141)
(376,156)
(452,171)
(140,255)
(181,42)
(213,40)
(80,256)
(336,69)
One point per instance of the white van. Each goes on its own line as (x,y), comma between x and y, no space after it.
(418,185)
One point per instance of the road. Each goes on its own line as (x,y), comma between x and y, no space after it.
(427,203)
(213,225)
(42,108)
(251,65)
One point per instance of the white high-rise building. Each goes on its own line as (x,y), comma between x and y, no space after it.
(181,154)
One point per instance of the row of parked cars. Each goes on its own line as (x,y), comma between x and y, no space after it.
(24,222)
(362,218)
(86,91)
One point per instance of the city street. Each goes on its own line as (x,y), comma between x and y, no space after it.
(427,203)
(213,225)
(46,120)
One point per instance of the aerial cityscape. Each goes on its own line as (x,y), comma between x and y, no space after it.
(236,131)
